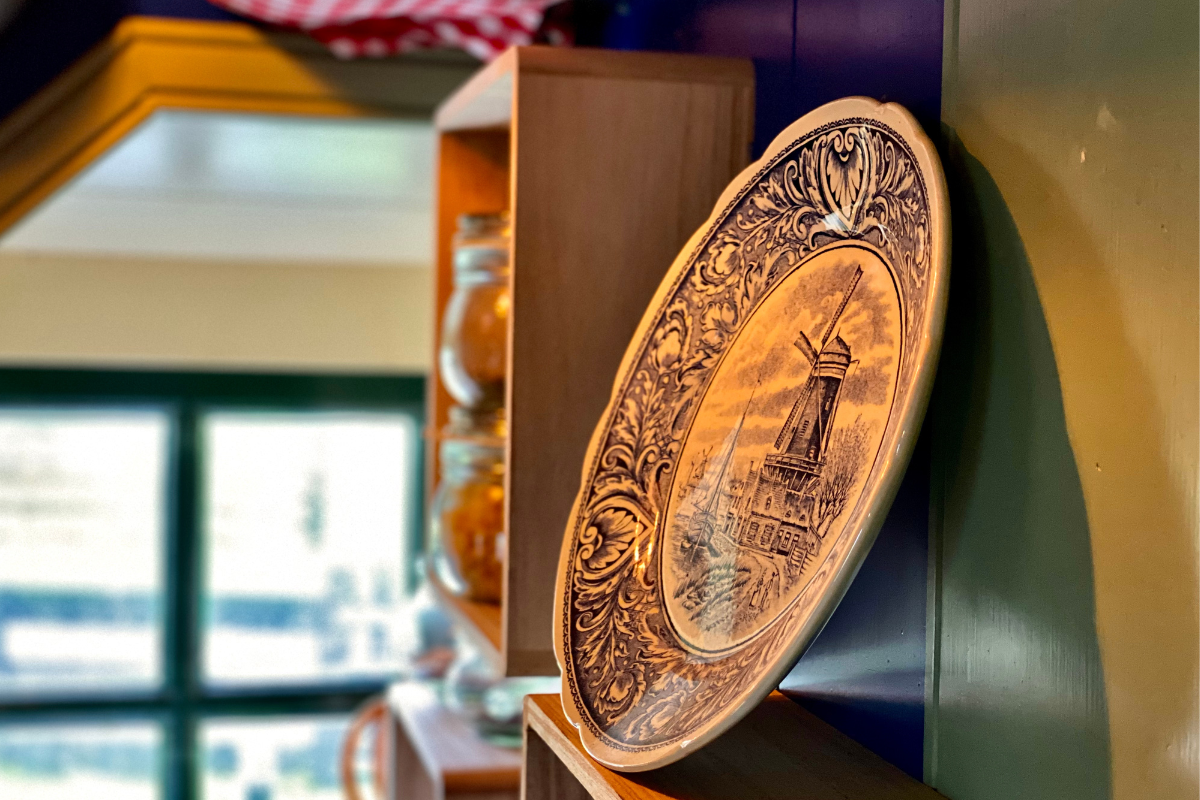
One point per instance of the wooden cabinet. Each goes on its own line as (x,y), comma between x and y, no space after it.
(607,162)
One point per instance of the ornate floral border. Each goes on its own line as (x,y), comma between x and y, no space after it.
(634,685)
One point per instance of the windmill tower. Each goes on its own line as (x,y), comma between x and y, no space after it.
(779,511)
(805,435)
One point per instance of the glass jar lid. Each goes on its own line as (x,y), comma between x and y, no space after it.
(481,248)
(486,425)
(487,225)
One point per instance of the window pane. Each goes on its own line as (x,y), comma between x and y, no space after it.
(69,762)
(306,545)
(274,759)
(81,532)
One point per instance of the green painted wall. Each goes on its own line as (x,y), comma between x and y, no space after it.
(1065,423)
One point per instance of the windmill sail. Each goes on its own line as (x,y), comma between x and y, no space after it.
(813,356)
(805,346)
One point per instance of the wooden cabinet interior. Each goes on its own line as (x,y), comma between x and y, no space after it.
(607,161)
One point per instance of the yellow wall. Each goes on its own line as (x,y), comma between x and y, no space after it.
(114,312)
(1068,638)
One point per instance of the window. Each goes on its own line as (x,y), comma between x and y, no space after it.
(201,576)
(768,536)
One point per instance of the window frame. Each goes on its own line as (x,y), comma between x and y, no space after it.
(181,702)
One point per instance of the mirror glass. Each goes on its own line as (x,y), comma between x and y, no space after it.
(238,186)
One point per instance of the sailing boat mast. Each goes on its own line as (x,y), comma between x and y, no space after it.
(713,498)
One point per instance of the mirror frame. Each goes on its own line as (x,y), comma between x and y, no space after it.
(149,63)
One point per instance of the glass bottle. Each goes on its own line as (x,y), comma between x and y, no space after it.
(473,359)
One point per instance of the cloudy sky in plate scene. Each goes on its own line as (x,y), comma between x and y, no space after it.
(764,353)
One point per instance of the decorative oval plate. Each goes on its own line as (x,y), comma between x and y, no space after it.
(758,428)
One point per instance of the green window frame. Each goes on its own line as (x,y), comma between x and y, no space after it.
(183,700)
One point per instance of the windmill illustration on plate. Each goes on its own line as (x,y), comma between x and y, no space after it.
(772,510)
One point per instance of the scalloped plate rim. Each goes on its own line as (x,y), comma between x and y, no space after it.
(903,123)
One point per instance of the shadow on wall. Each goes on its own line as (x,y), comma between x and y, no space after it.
(865,673)
(1017,702)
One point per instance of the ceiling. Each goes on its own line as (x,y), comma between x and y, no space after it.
(244,187)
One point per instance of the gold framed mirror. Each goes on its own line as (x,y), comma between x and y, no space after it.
(148,64)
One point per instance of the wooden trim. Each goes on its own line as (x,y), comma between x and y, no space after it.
(610,178)
(149,63)
(933,611)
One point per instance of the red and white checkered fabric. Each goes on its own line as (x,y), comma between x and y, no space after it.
(353,28)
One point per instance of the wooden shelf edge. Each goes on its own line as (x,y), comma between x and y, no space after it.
(480,622)
(594,62)
(484,101)
(544,718)
(778,750)
(487,100)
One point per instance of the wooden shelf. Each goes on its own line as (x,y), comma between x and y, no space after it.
(778,751)
(435,754)
(607,162)
(479,621)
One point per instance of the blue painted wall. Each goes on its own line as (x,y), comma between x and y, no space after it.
(865,673)
(805,52)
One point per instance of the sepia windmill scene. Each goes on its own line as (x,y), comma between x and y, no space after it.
(781,447)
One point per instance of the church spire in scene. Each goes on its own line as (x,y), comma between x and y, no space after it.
(727,451)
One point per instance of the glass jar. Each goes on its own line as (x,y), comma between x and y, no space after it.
(467,682)
(478,691)
(473,358)
(467,511)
